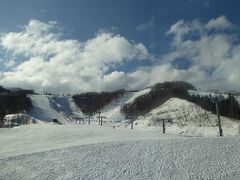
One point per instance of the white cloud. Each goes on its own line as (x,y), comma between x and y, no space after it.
(212,53)
(219,23)
(145,26)
(10,63)
(62,65)
(181,29)
(70,66)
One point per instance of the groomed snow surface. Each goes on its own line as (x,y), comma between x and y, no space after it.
(48,151)
(190,148)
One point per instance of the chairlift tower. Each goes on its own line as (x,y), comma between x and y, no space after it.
(100,118)
(89,119)
(132,118)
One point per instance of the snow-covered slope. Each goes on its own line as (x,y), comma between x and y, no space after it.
(187,118)
(65,106)
(43,109)
(46,136)
(75,110)
(48,107)
(46,151)
(112,110)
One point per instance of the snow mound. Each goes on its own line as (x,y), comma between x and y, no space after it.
(187,118)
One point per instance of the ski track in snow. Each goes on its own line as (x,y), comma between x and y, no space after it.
(188,158)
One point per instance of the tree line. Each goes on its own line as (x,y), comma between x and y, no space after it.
(228,107)
(92,102)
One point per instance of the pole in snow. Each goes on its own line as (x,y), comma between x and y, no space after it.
(89,117)
(163,125)
(131,123)
(99,117)
(216,100)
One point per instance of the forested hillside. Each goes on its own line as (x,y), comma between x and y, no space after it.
(91,102)
(14,101)
(161,92)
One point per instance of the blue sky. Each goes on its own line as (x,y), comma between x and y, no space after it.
(144,22)
(82,18)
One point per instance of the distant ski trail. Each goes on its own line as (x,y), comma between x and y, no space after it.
(43,110)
